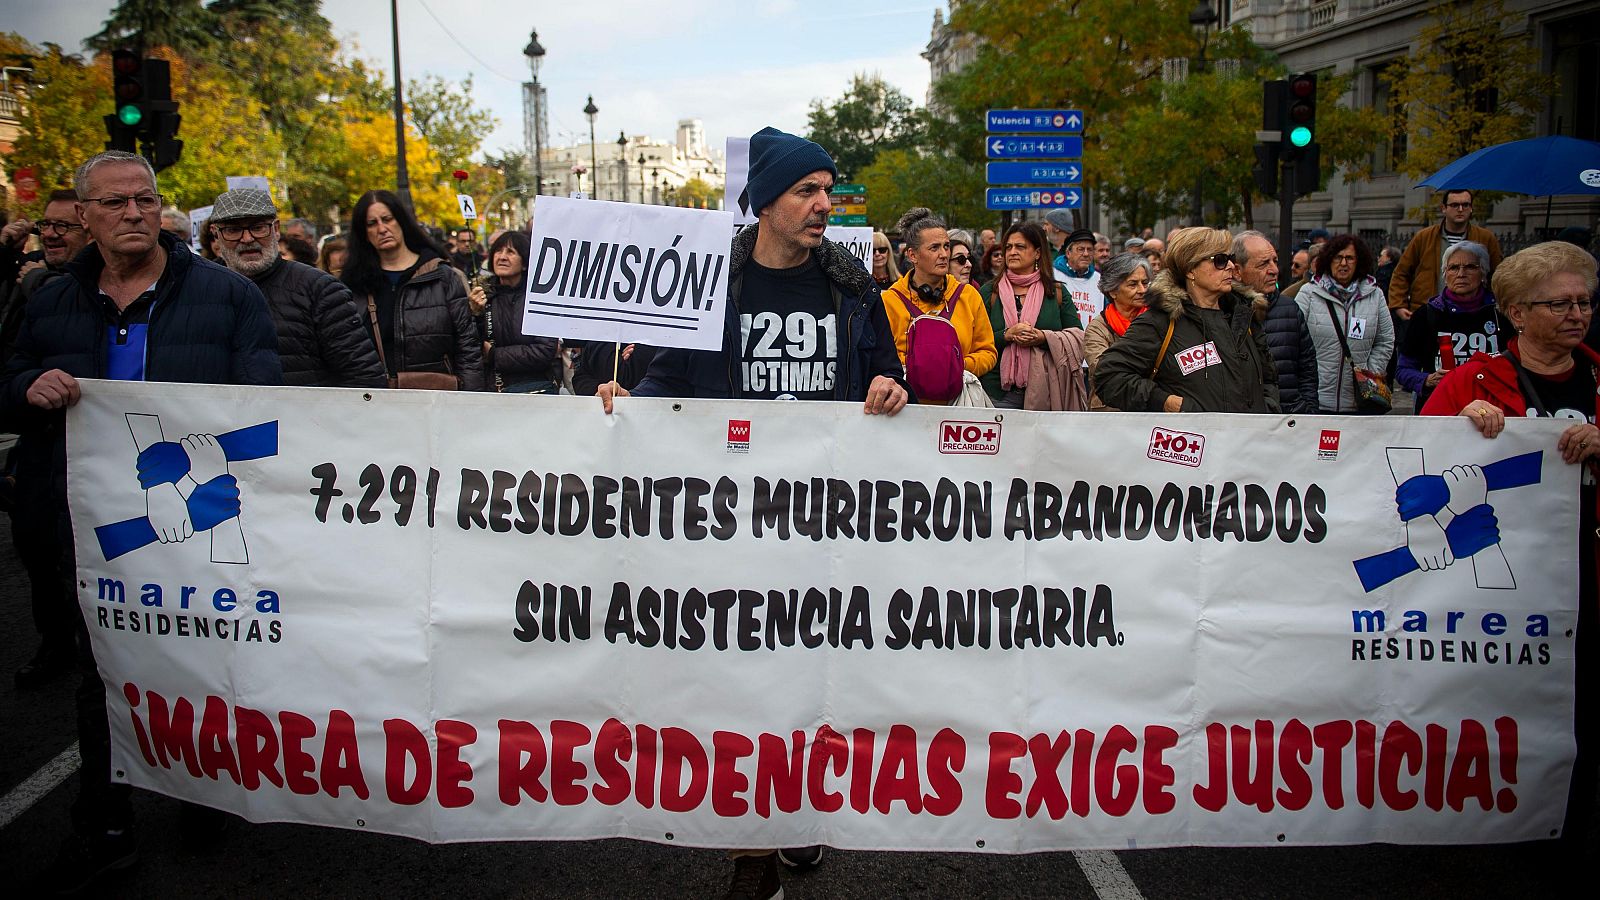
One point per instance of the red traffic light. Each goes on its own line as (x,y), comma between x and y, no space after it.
(124,62)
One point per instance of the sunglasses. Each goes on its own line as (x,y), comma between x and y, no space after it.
(1223,260)
(962,260)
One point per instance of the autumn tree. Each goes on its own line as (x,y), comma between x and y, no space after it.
(1466,85)
(900,179)
(872,116)
(62,121)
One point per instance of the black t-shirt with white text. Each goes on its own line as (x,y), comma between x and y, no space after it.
(788,333)
(1569,395)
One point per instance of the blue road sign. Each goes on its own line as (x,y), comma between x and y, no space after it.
(1033,147)
(1055,120)
(1062,172)
(1063,197)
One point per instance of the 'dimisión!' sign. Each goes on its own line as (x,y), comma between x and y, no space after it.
(626,272)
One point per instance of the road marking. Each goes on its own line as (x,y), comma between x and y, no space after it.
(38,784)
(1106,875)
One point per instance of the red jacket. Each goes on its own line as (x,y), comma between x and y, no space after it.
(1491,378)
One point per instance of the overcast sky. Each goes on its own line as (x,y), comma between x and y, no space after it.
(737,65)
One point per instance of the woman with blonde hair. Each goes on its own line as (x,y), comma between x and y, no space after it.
(1196,347)
(884,270)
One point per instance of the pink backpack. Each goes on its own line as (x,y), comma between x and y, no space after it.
(933,352)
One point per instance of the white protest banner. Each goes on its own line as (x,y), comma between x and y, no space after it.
(735,624)
(197,223)
(855,238)
(738,174)
(626,272)
(241,182)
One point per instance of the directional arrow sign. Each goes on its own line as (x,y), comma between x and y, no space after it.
(1033,147)
(1065,172)
(1062,197)
(1052,120)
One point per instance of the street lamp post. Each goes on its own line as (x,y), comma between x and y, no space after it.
(590,110)
(655,186)
(1201,17)
(622,166)
(402,180)
(535,54)
(641,178)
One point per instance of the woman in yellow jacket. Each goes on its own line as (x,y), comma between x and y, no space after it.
(929,287)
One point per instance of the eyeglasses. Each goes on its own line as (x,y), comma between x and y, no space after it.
(57,228)
(1347,258)
(235,232)
(1458,206)
(962,260)
(1223,260)
(114,203)
(1562,307)
(1456,270)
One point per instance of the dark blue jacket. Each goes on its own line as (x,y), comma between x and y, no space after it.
(1293,354)
(207,326)
(866,351)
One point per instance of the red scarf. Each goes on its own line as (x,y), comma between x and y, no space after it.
(1119,323)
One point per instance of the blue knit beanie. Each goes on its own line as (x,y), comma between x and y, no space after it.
(777,161)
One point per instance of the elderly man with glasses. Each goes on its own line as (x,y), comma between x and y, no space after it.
(322,337)
(140,307)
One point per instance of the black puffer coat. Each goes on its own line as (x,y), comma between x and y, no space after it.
(433,323)
(1295,357)
(323,338)
(516,357)
(1216,363)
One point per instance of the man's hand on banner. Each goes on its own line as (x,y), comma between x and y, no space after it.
(1473,530)
(214,502)
(162,463)
(1468,486)
(1429,544)
(207,460)
(168,513)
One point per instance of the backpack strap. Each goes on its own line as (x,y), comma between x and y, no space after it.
(1166,342)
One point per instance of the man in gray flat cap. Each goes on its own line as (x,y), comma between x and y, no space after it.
(321,337)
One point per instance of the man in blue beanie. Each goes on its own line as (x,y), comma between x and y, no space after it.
(793,298)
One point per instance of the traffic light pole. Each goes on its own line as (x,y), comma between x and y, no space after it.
(1286,194)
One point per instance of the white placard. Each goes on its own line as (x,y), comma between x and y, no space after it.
(469,209)
(738,154)
(746,623)
(241,182)
(855,238)
(628,272)
(197,223)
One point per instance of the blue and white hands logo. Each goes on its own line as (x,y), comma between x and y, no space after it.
(188,489)
(1448,518)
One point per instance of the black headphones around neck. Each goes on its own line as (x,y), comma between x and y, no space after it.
(929,294)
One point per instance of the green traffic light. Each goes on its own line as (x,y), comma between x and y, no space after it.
(1300,136)
(130,114)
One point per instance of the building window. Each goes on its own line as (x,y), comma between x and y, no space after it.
(1390,152)
(1576,62)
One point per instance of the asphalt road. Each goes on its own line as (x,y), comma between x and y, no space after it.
(282,860)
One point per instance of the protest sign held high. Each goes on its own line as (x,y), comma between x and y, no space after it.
(626,272)
(459,632)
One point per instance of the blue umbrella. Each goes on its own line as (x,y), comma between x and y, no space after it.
(1539,167)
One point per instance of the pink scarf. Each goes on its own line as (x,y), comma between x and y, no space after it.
(1014,361)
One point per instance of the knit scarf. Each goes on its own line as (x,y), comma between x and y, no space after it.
(1119,323)
(1357,289)
(1014,361)
(1467,304)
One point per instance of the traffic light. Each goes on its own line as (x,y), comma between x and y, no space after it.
(159,129)
(1265,171)
(127,92)
(1299,115)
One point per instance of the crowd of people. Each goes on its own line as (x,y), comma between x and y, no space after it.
(1043,315)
